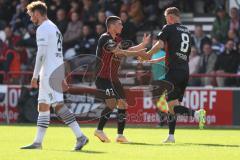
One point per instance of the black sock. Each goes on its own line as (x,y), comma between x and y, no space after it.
(183,110)
(162,117)
(172,119)
(104,117)
(121,119)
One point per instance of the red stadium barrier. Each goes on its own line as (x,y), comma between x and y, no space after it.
(221,104)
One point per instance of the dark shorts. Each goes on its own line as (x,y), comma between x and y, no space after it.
(179,79)
(161,86)
(112,89)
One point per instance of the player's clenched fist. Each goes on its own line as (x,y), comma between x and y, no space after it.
(34,83)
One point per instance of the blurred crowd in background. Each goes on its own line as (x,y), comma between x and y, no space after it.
(81,22)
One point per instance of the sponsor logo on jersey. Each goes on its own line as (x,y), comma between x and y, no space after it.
(182,56)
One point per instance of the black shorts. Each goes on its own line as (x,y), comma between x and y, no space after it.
(179,79)
(112,89)
(161,86)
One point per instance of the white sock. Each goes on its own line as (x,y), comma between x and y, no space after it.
(171,136)
(99,130)
(119,135)
(76,129)
(42,125)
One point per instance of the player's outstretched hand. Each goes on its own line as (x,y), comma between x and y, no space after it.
(34,83)
(146,39)
(156,60)
(143,54)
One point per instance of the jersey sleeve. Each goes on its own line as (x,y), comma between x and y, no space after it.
(164,33)
(106,43)
(42,37)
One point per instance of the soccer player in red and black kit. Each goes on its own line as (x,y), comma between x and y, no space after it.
(174,38)
(109,53)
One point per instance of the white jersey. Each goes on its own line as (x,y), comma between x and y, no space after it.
(49,35)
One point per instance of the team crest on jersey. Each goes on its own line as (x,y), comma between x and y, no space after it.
(110,41)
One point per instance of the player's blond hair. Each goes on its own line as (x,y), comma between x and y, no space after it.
(37,5)
(172,10)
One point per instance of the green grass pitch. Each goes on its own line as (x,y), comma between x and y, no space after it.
(208,144)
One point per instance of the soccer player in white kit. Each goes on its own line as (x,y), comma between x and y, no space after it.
(48,61)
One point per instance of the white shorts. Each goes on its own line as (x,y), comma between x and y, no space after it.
(48,93)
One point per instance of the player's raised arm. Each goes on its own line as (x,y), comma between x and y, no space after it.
(146,39)
(159,45)
(156,60)
(138,53)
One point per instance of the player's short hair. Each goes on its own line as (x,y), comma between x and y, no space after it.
(39,6)
(172,10)
(111,20)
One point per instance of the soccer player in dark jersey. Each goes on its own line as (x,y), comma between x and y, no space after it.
(174,38)
(109,52)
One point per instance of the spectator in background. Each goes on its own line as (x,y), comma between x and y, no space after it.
(128,27)
(217,47)
(62,21)
(136,13)
(150,11)
(87,43)
(11,39)
(73,32)
(99,29)
(235,20)
(74,7)
(7,9)
(54,6)
(199,38)
(194,60)
(206,64)
(29,38)
(3,49)
(111,7)
(20,19)
(13,61)
(227,62)
(221,25)
(89,13)
(232,34)
(101,19)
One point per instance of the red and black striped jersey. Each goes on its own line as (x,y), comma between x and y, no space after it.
(107,63)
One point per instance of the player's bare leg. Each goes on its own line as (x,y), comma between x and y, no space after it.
(42,125)
(121,118)
(69,119)
(105,115)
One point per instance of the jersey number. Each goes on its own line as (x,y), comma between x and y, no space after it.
(59,41)
(184,43)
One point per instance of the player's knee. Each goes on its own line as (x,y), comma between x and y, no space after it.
(111,103)
(57,106)
(42,107)
(171,118)
(171,106)
(121,104)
